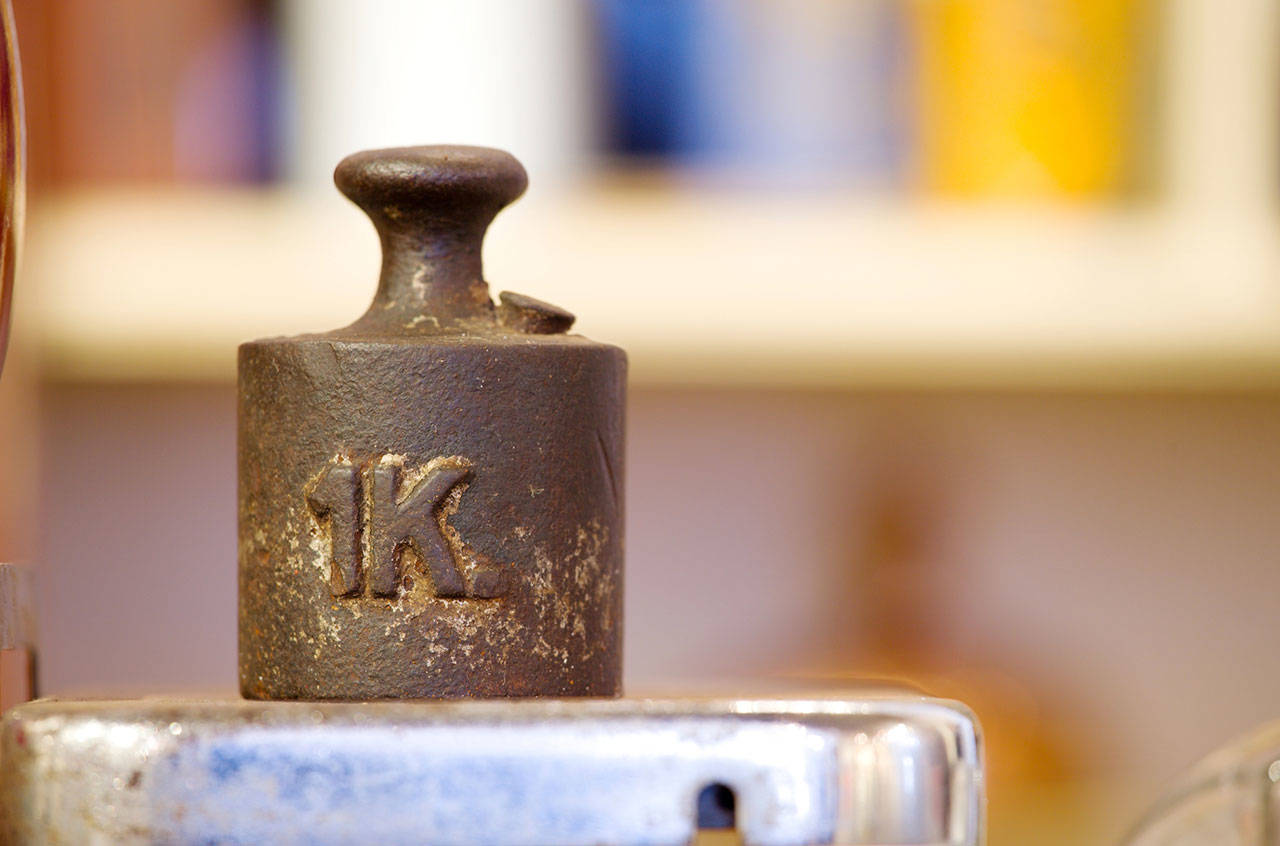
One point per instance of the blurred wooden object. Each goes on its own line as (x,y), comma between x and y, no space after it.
(17,636)
(20,438)
(17,677)
(17,616)
(143,90)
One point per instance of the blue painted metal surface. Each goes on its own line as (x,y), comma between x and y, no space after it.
(902,770)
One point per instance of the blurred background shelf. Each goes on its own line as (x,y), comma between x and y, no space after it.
(701,286)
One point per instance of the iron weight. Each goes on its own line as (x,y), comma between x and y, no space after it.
(430,499)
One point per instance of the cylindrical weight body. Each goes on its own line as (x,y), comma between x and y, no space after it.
(431,514)
(506,582)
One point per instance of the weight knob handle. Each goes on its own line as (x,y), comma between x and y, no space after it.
(431,207)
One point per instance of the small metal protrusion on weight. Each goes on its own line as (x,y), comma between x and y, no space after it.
(529,315)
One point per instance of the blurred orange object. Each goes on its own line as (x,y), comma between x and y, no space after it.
(1030,97)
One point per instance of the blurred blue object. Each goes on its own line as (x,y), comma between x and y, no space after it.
(804,92)
(646,52)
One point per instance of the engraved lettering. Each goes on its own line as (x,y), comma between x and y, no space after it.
(334,498)
(382,516)
(413,520)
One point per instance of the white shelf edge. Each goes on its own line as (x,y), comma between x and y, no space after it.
(701,288)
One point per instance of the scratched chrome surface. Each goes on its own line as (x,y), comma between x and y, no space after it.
(875,770)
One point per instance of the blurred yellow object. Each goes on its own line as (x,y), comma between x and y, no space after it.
(1029,97)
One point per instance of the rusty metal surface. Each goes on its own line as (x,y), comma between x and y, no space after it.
(867,769)
(431,498)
